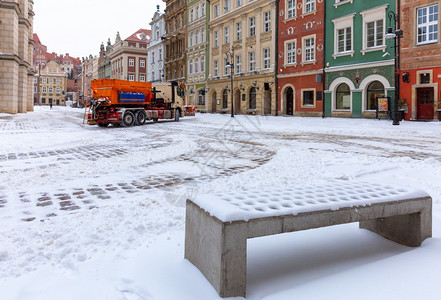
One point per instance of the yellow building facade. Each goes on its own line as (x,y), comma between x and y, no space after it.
(242,35)
(53,84)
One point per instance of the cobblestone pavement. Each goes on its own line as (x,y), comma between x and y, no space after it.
(216,151)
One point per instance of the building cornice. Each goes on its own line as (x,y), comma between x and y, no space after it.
(297,74)
(360,66)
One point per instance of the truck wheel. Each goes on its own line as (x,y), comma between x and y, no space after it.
(128,119)
(177,115)
(140,117)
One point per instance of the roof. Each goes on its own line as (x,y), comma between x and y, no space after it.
(142,35)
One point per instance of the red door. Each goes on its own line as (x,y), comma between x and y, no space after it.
(425,104)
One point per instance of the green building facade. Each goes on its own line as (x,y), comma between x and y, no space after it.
(359,61)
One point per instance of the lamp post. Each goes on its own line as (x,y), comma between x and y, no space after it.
(230,64)
(396,36)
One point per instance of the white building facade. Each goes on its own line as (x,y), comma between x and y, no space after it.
(156,50)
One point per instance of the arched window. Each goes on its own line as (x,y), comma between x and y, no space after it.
(196,65)
(190,67)
(375,89)
(252,98)
(343,97)
(225,99)
(203,64)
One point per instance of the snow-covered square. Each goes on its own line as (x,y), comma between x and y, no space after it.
(99,213)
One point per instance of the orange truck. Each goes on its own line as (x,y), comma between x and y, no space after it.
(128,103)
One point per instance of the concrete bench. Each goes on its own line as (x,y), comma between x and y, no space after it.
(218,226)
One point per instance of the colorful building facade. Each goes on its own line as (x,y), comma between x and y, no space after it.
(359,64)
(300,57)
(420,53)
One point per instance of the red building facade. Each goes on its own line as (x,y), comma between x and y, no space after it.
(300,57)
(420,53)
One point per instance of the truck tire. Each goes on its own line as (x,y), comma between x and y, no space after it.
(177,115)
(140,117)
(128,119)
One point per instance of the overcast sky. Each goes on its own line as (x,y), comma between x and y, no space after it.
(79,27)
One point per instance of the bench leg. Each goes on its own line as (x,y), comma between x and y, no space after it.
(218,250)
(409,230)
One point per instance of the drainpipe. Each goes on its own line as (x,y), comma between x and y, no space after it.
(324,59)
(276,63)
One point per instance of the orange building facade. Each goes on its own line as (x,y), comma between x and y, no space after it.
(420,53)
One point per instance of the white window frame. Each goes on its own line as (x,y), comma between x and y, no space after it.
(343,23)
(216,38)
(190,67)
(267,21)
(216,68)
(426,25)
(142,77)
(50,90)
(58,90)
(203,9)
(291,54)
(266,58)
(44,89)
(291,11)
(239,31)
(131,77)
(238,64)
(252,25)
(202,64)
(227,35)
(374,15)
(131,62)
(196,38)
(227,6)
(239,3)
(252,61)
(308,49)
(142,63)
(225,66)
(216,11)
(309,6)
(203,35)
(196,65)
(191,39)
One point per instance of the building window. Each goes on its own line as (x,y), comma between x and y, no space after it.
(196,65)
(343,97)
(266,21)
(309,6)
(252,96)
(308,97)
(227,35)
(374,34)
(216,10)
(203,64)
(131,62)
(191,15)
(35,79)
(203,9)
(201,98)
(227,5)
(191,40)
(196,42)
(197,12)
(253,26)
(203,35)
(427,24)
(58,80)
(225,99)
(216,68)
(216,38)
(51,80)
(44,89)
(58,90)
(251,61)
(344,39)
(142,62)
(309,49)
(51,90)
(239,3)
(238,64)
(142,77)
(226,65)
(374,90)
(43,100)
(131,77)
(44,79)
(238,31)
(425,78)
(290,52)
(190,67)
(266,58)
(291,9)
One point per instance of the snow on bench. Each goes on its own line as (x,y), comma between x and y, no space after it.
(218,226)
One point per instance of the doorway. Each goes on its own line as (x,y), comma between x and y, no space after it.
(237,103)
(289,101)
(213,102)
(425,100)
(267,102)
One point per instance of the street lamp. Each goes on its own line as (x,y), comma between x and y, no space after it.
(396,36)
(230,64)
